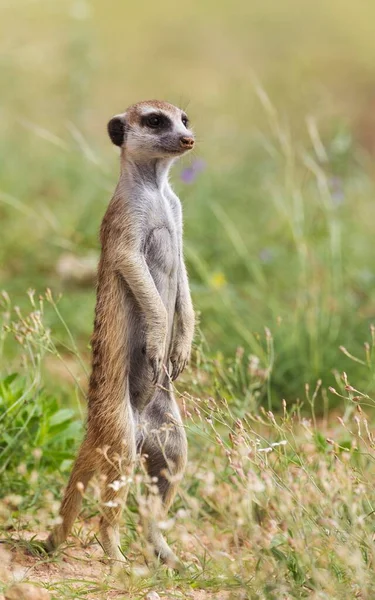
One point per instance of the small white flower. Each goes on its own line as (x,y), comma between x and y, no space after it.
(116,485)
(120,483)
(266,450)
(110,504)
(258,486)
(165,525)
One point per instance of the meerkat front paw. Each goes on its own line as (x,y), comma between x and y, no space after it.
(155,350)
(179,358)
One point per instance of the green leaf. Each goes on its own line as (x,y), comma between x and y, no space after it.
(61,416)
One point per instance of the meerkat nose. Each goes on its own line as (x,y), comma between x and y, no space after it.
(186,142)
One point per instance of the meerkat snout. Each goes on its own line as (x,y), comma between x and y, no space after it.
(187,142)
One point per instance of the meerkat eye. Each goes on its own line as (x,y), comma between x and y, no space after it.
(153,121)
(185,120)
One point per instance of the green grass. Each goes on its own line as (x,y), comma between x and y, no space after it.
(271,506)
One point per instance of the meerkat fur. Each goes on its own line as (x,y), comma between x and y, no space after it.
(143,331)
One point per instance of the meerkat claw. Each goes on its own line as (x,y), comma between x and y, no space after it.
(176,370)
(156,365)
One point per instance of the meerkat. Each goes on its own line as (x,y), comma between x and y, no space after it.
(143,331)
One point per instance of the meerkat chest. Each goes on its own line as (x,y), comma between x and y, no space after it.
(161,243)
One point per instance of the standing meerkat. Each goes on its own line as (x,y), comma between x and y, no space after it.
(143,330)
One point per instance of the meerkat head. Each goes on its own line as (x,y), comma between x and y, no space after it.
(152,129)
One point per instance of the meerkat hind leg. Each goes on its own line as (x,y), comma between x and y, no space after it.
(165,450)
(113,501)
(116,468)
(83,470)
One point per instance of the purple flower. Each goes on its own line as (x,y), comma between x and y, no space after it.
(266,255)
(336,189)
(189,174)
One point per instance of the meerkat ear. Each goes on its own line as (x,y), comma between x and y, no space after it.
(117,129)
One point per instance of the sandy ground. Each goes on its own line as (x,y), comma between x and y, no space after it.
(73,568)
(82,571)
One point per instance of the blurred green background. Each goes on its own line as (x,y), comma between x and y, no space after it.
(278,197)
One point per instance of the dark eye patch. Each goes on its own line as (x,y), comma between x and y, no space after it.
(185,120)
(157,121)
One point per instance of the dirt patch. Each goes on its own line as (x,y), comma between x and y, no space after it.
(78,572)
(72,568)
